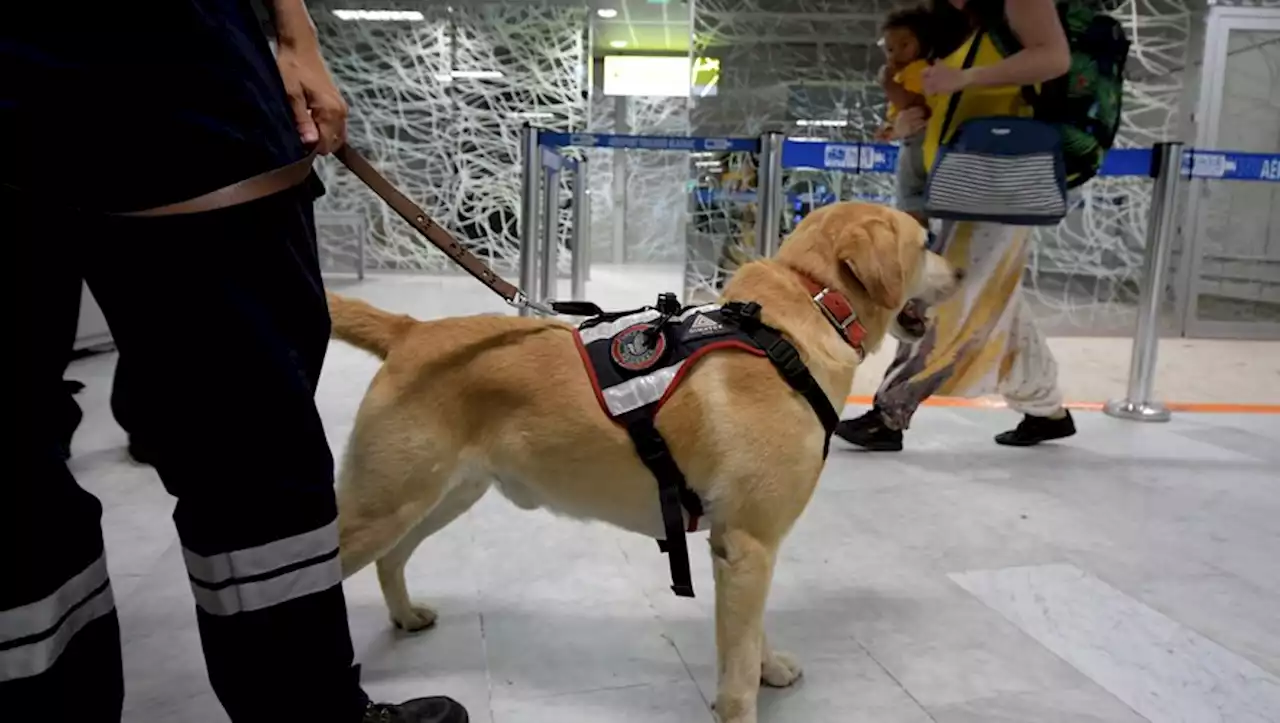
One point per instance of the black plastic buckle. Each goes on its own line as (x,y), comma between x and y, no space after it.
(668,304)
(786,358)
(746,314)
(576,308)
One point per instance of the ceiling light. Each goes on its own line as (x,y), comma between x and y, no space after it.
(607,13)
(487,74)
(617,43)
(534,114)
(477,73)
(379,15)
(823,122)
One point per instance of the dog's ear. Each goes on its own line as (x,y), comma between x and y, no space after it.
(874,253)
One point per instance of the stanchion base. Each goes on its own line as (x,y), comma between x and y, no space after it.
(1137,412)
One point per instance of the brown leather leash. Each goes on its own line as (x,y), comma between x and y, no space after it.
(281,179)
(434,232)
(253,188)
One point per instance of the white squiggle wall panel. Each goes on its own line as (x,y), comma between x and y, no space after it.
(450,142)
(656,181)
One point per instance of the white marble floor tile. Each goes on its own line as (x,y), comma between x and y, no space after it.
(547,619)
(1224,608)
(165,679)
(1163,670)
(849,689)
(1089,704)
(673,702)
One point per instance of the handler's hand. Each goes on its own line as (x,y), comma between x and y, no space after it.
(318,107)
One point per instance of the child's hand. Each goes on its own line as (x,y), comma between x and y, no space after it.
(884,133)
(910,121)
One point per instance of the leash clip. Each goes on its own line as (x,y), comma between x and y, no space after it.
(522,301)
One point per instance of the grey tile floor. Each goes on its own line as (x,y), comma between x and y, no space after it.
(1127,574)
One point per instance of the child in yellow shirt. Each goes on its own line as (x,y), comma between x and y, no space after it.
(905,38)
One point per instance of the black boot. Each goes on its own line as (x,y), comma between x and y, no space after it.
(870,433)
(437,709)
(1034,430)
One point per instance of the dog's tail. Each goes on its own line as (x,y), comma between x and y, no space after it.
(364,326)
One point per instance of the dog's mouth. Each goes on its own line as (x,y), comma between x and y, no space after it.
(911,321)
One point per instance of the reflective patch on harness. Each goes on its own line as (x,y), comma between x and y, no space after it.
(635,349)
(639,392)
(703,325)
(608,329)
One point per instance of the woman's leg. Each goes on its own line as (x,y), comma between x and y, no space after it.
(1029,383)
(964,351)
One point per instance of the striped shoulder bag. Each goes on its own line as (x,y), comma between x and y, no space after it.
(998,169)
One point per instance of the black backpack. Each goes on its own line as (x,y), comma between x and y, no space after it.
(1085,102)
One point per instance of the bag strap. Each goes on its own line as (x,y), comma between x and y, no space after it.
(969,58)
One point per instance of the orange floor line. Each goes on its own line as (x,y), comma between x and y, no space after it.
(993,403)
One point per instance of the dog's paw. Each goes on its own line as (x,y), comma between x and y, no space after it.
(780,670)
(416,619)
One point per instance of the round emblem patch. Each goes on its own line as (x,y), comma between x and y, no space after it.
(631,348)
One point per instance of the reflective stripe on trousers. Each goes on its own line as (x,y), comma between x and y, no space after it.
(34,635)
(260,577)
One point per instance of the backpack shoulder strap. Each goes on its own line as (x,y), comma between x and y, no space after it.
(969,59)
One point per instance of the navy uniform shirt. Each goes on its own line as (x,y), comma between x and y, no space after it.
(127,105)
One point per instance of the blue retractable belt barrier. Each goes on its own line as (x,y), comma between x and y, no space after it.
(883,158)
(1232,166)
(795,201)
(649,143)
(848,157)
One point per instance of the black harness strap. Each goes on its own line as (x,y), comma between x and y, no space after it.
(673,492)
(786,359)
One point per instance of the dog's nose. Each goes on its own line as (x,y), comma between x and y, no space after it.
(959,275)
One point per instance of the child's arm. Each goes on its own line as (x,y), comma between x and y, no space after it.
(898,95)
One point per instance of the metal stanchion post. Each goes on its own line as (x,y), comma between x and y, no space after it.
(529,214)
(362,231)
(581,232)
(550,230)
(1137,404)
(769,194)
(586,215)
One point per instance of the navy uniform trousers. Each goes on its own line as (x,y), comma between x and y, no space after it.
(222,319)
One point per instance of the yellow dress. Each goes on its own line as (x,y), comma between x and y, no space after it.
(911,78)
(974,102)
(984,339)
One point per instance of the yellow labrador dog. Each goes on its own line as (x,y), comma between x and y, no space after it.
(463,404)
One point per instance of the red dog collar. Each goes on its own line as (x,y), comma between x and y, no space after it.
(839,312)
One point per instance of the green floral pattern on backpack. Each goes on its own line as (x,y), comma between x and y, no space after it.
(1085,103)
